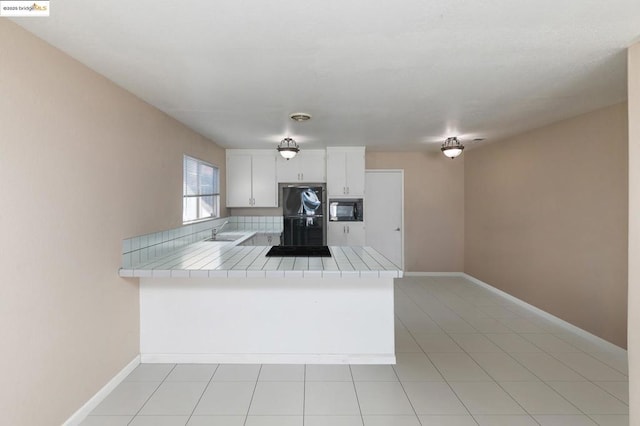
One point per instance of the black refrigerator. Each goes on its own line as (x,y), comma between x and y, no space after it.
(303,211)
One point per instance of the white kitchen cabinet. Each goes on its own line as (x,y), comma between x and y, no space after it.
(345,171)
(345,234)
(308,166)
(251,178)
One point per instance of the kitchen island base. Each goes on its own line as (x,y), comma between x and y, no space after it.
(267,320)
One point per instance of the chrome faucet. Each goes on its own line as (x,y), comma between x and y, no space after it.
(214,231)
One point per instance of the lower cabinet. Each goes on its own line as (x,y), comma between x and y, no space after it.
(345,234)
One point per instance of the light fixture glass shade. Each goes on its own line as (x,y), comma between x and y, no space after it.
(452,152)
(452,147)
(288,148)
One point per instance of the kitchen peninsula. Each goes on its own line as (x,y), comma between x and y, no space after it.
(222,302)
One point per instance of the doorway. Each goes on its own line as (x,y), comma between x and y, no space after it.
(384,213)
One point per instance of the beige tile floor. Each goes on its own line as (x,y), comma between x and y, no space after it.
(465,356)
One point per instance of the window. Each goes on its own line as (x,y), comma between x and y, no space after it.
(201,193)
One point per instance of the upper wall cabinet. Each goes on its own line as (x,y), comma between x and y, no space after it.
(308,166)
(345,171)
(251,178)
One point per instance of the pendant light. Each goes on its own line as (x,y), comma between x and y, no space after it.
(288,148)
(452,147)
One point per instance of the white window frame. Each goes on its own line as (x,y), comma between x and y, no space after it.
(215,208)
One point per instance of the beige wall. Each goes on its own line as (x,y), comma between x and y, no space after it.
(546,219)
(83,164)
(433,208)
(634,234)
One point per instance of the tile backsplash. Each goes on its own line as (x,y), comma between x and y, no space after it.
(256,223)
(144,247)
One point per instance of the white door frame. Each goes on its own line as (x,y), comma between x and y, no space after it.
(401,171)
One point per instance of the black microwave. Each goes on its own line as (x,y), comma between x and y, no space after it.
(346,210)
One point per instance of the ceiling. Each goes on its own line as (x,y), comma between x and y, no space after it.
(388,75)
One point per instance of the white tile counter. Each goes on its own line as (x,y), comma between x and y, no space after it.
(220,302)
(227,259)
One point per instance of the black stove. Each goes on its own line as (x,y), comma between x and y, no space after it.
(291,251)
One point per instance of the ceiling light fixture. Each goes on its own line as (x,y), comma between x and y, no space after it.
(452,147)
(300,116)
(288,148)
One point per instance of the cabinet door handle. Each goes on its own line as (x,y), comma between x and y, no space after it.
(347,229)
(347,189)
(301,176)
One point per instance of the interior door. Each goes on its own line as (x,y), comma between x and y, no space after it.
(383,213)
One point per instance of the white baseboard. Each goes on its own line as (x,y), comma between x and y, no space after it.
(433,274)
(606,345)
(268,358)
(96,399)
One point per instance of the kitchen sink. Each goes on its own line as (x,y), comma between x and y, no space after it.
(227,236)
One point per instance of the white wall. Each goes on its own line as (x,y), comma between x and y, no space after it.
(633,339)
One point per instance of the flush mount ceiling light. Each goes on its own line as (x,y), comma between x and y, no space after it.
(452,147)
(300,116)
(288,148)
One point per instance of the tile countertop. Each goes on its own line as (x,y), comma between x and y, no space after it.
(226,259)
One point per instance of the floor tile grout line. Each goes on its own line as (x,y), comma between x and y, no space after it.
(407,395)
(420,308)
(590,417)
(496,381)
(203,392)
(355,391)
(532,317)
(488,375)
(553,354)
(523,366)
(605,390)
(152,393)
(545,381)
(439,372)
(246,417)
(590,353)
(541,380)
(593,382)
(578,350)
(564,332)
